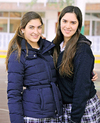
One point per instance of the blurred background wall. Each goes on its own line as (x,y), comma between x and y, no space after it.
(11,12)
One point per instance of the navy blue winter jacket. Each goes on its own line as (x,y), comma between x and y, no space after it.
(79,88)
(40,97)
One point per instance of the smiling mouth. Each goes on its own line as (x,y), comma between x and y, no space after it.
(67,31)
(35,36)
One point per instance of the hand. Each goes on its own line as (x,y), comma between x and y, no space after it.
(43,37)
(95,76)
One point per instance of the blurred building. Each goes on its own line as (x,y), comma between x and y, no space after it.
(11,12)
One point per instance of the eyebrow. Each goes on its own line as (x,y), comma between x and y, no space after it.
(33,25)
(71,21)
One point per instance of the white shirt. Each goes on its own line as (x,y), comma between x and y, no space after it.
(61,46)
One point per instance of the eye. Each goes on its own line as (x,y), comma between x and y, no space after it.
(73,22)
(64,21)
(31,27)
(40,27)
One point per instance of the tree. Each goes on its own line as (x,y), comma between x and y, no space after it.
(60,3)
(32,3)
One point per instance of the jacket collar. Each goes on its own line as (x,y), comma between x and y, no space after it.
(83,39)
(44,45)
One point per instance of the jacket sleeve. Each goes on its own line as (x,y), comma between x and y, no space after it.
(83,66)
(15,89)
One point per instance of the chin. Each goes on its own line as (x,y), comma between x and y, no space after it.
(35,40)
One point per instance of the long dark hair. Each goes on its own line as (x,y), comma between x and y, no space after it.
(15,43)
(66,67)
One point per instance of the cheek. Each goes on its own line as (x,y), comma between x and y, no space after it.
(75,28)
(29,31)
(62,28)
(27,34)
(40,31)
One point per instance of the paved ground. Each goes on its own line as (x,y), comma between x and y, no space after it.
(4,114)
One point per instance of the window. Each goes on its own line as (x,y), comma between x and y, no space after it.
(3,25)
(13,25)
(42,14)
(97,28)
(93,28)
(9,21)
(15,14)
(92,24)
(3,14)
(97,15)
(87,27)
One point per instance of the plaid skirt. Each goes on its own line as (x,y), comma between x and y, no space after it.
(43,120)
(91,114)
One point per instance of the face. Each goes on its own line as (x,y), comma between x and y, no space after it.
(69,25)
(32,31)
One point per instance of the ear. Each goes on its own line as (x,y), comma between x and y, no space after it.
(22,30)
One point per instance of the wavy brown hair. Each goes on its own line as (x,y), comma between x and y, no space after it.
(15,43)
(66,67)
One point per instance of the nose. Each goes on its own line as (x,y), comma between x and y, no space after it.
(68,25)
(36,31)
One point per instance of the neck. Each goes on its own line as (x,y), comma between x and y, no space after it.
(64,44)
(34,45)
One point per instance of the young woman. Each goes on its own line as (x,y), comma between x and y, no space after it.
(74,62)
(30,65)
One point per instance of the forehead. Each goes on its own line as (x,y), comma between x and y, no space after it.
(34,22)
(70,16)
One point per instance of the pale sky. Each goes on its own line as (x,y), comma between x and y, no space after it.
(21,0)
(89,1)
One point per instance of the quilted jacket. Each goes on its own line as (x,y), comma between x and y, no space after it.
(40,97)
